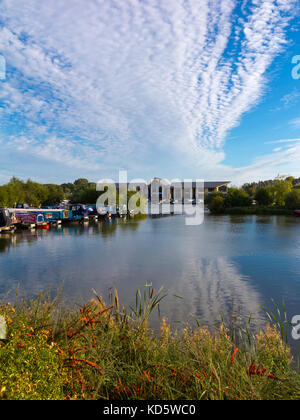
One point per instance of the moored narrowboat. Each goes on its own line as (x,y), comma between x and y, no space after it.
(78,213)
(6,224)
(29,220)
(49,215)
(297,212)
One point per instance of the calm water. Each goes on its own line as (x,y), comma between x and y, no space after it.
(242,259)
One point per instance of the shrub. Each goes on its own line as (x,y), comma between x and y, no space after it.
(292,200)
(216,205)
(263,196)
(30,367)
(237,198)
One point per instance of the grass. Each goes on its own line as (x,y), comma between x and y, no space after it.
(103,351)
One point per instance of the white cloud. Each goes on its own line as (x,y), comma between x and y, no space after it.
(296,122)
(100,84)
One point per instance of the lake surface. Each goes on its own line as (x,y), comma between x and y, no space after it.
(240,261)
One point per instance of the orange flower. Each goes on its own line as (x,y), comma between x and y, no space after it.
(147,374)
(198,377)
(233,355)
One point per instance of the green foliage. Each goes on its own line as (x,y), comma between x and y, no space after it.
(263,196)
(30,367)
(216,205)
(237,198)
(103,351)
(30,192)
(83,191)
(208,198)
(250,188)
(81,182)
(281,187)
(292,200)
(55,194)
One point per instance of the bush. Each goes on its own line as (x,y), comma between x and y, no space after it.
(292,200)
(30,367)
(237,198)
(264,197)
(216,205)
(208,198)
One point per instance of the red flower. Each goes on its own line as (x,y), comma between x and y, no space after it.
(233,355)
(20,345)
(252,369)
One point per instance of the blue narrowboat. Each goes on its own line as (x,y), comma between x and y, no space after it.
(78,212)
(56,215)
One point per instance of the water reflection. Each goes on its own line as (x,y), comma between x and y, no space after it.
(213,289)
(245,260)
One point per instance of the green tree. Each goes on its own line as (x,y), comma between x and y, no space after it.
(55,194)
(281,188)
(263,196)
(68,188)
(81,182)
(237,198)
(216,205)
(292,200)
(208,198)
(35,193)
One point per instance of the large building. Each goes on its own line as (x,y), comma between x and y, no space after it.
(176,190)
(216,186)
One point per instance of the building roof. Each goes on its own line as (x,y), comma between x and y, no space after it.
(209,184)
(215,184)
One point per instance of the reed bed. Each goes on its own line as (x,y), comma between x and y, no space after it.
(106,351)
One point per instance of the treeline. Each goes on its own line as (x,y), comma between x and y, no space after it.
(279,193)
(35,194)
(250,188)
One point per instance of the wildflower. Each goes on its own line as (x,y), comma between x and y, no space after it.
(233,355)
(252,369)
(147,374)
(198,376)
(20,345)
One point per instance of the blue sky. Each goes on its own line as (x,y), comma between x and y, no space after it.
(175,89)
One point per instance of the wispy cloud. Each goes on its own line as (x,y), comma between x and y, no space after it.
(284,141)
(99,84)
(295,122)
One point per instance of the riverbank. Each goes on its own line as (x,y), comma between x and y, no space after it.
(101,351)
